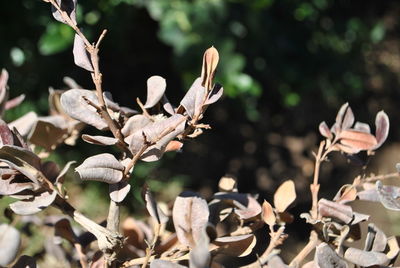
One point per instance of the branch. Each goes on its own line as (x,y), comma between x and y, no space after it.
(312,243)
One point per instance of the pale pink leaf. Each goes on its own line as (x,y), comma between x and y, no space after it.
(382,128)
(357,140)
(68,6)
(6,136)
(324,130)
(335,210)
(14,102)
(362,127)
(35,205)
(99,140)
(134,124)
(268,214)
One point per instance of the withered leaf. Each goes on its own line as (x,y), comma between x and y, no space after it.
(214,95)
(190,215)
(12,186)
(346,193)
(324,130)
(63,229)
(326,257)
(192,102)
(335,210)
(152,207)
(388,196)
(382,128)
(99,140)
(199,256)
(81,55)
(369,195)
(348,119)
(68,6)
(210,62)
(393,248)
(235,245)
(134,124)
(173,146)
(25,262)
(227,184)
(156,86)
(49,131)
(268,214)
(252,209)
(284,195)
(102,167)
(22,160)
(10,240)
(276,262)
(24,124)
(340,115)
(74,104)
(365,258)
(6,136)
(33,205)
(376,239)
(357,140)
(118,191)
(362,127)
(167,105)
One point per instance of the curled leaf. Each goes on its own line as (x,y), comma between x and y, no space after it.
(81,56)
(382,128)
(99,140)
(389,196)
(192,102)
(152,207)
(33,205)
(365,258)
(210,62)
(102,167)
(68,6)
(118,191)
(326,257)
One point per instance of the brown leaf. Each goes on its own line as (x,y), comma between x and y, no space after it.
(101,167)
(382,128)
(268,214)
(347,193)
(365,258)
(10,241)
(284,195)
(49,131)
(173,146)
(210,62)
(6,136)
(190,215)
(235,245)
(357,140)
(192,102)
(335,210)
(63,229)
(81,55)
(156,86)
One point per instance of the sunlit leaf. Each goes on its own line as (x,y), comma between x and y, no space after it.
(33,205)
(118,191)
(357,140)
(156,86)
(335,210)
(324,130)
(268,214)
(101,167)
(326,257)
(210,62)
(235,245)
(227,184)
(68,6)
(99,140)
(152,207)
(365,258)
(389,196)
(81,55)
(284,195)
(192,102)
(382,128)
(190,216)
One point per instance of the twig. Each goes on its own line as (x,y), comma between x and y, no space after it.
(144,110)
(150,248)
(314,187)
(381,177)
(312,243)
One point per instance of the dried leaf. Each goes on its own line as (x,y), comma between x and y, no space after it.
(74,104)
(284,196)
(235,245)
(393,248)
(376,239)
(369,195)
(365,258)
(347,193)
(101,167)
(134,124)
(24,124)
(156,86)
(338,211)
(167,105)
(99,140)
(35,205)
(214,95)
(14,102)
(340,116)
(227,184)
(357,140)
(68,6)
(164,264)
(348,119)
(200,256)
(326,257)
(25,262)
(48,132)
(81,55)
(388,196)
(60,176)
(10,241)
(382,128)
(6,136)
(152,207)
(12,186)
(362,127)
(173,146)
(252,209)
(276,262)
(325,131)
(192,102)
(268,214)
(190,216)
(22,160)
(119,191)
(63,229)
(210,62)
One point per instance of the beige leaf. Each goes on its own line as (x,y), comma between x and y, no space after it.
(227,184)
(268,214)
(210,62)
(284,196)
